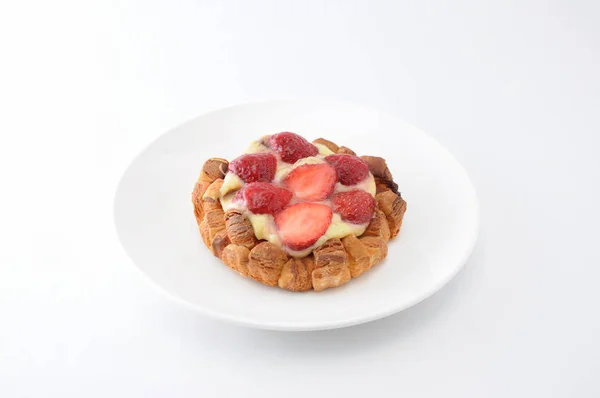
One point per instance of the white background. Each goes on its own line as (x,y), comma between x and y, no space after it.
(512,88)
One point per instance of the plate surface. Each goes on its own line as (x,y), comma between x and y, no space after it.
(156,225)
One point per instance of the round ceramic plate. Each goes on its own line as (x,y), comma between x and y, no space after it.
(155,221)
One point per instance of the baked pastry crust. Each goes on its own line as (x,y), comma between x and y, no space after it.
(230,236)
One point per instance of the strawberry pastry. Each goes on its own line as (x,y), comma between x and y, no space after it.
(296,214)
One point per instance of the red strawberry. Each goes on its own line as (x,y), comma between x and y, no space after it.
(291,147)
(312,182)
(263,197)
(350,169)
(254,167)
(302,224)
(354,206)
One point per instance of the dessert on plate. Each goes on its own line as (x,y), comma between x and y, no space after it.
(296,214)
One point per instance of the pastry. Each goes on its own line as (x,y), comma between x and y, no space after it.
(298,215)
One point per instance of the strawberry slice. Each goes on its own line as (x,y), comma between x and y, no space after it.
(354,206)
(350,169)
(253,167)
(302,224)
(313,182)
(291,147)
(263,197)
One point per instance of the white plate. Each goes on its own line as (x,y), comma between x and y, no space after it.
(155,222)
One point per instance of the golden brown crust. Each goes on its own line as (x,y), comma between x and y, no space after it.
(213,169)
(394,207)
(383,176)
(376,247)
(359,260)
(213,192)
(330,252)
(330,276)
(230,235)
(296,274)
(378,226)
(239,229)
(266,263)
(219,243)
(236,257)
(331,265)
(378,167)
(204,233)
(346,150)
(205,197)
(383,185)
(211,198)
(199,189)
(216,222)
(330,145)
